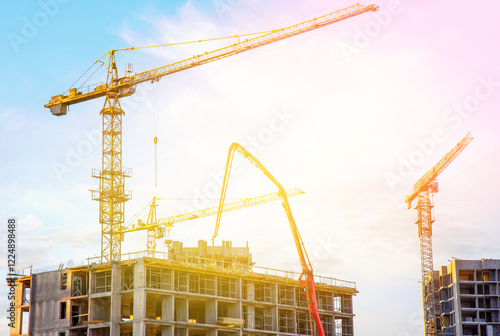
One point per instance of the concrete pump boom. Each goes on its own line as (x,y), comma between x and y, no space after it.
(307,272)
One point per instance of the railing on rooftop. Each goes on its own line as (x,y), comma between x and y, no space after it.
(235,266)
(208,263)
(63,265)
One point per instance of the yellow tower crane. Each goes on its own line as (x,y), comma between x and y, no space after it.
(158,228)
(423,189)
(111,193)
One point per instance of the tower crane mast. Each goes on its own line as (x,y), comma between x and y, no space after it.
(111,193)
(423,190)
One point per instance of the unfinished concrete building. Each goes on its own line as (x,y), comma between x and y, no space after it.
(182,293)
(469,294)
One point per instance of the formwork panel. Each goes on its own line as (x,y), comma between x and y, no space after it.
(181,281)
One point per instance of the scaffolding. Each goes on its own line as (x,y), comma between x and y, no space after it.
(303,326)
(342,303)
(325,300)
(244,311)
(263,318)
(156,277)
(327,321)
(181,281)
(343,327)
(263,291)
(227,287)
(286,321)
(194,283)
(244,289)
(301,297)
(102,281)
(207,284)
(286,295)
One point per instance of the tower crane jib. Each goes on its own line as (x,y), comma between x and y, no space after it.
(111,193)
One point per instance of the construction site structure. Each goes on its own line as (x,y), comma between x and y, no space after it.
(469,294)
(111,193)
(182,293)
(424,189)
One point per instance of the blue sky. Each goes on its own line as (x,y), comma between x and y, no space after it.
(353,114)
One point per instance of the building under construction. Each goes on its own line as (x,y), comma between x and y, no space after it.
(185,292)
(469,295)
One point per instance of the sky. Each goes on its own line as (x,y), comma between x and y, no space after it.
(353,114)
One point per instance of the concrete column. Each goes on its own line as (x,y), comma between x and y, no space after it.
(33,306)
(251,317)
(167,314)
(274,293)
(167,308)
(181,309)
(456,296)
(274,298)
(167,330)
(139,310)
(211,311)
(250,291)
(116,304)
(211,332)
